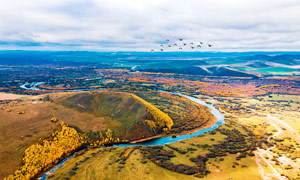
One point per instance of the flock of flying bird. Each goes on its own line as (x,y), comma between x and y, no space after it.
(181,44)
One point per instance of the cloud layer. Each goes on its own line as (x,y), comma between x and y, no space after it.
(137,25)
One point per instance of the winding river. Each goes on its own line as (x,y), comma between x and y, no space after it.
(35,86)
(153,142)
(161,140)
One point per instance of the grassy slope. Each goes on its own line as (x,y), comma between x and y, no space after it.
(103,164)
(122,112)
(17,132)
(186,114)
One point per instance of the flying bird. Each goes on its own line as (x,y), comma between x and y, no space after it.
(192,47)
(169,45)
(201,42)
(192,43)
(184,44)
(209,45)
(180,39)
(152,50)
(161,45)
(180,48)
(199,46)
(167,40)
(175,44)
(161,49)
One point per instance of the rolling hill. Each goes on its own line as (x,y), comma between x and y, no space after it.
(129,116)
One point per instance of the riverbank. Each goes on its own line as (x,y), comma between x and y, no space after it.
(210,123)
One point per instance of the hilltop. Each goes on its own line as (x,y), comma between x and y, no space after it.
(129,116)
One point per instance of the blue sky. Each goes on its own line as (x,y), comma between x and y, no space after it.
(140,25)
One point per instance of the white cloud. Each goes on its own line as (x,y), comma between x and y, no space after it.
(141,24)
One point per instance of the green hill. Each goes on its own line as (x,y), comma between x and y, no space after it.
(129,116)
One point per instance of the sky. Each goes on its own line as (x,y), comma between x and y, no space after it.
(141,25)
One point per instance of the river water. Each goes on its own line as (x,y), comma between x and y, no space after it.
(31,86)
(161,140)
(34,86)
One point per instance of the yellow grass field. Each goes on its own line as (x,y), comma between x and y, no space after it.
(10,96)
